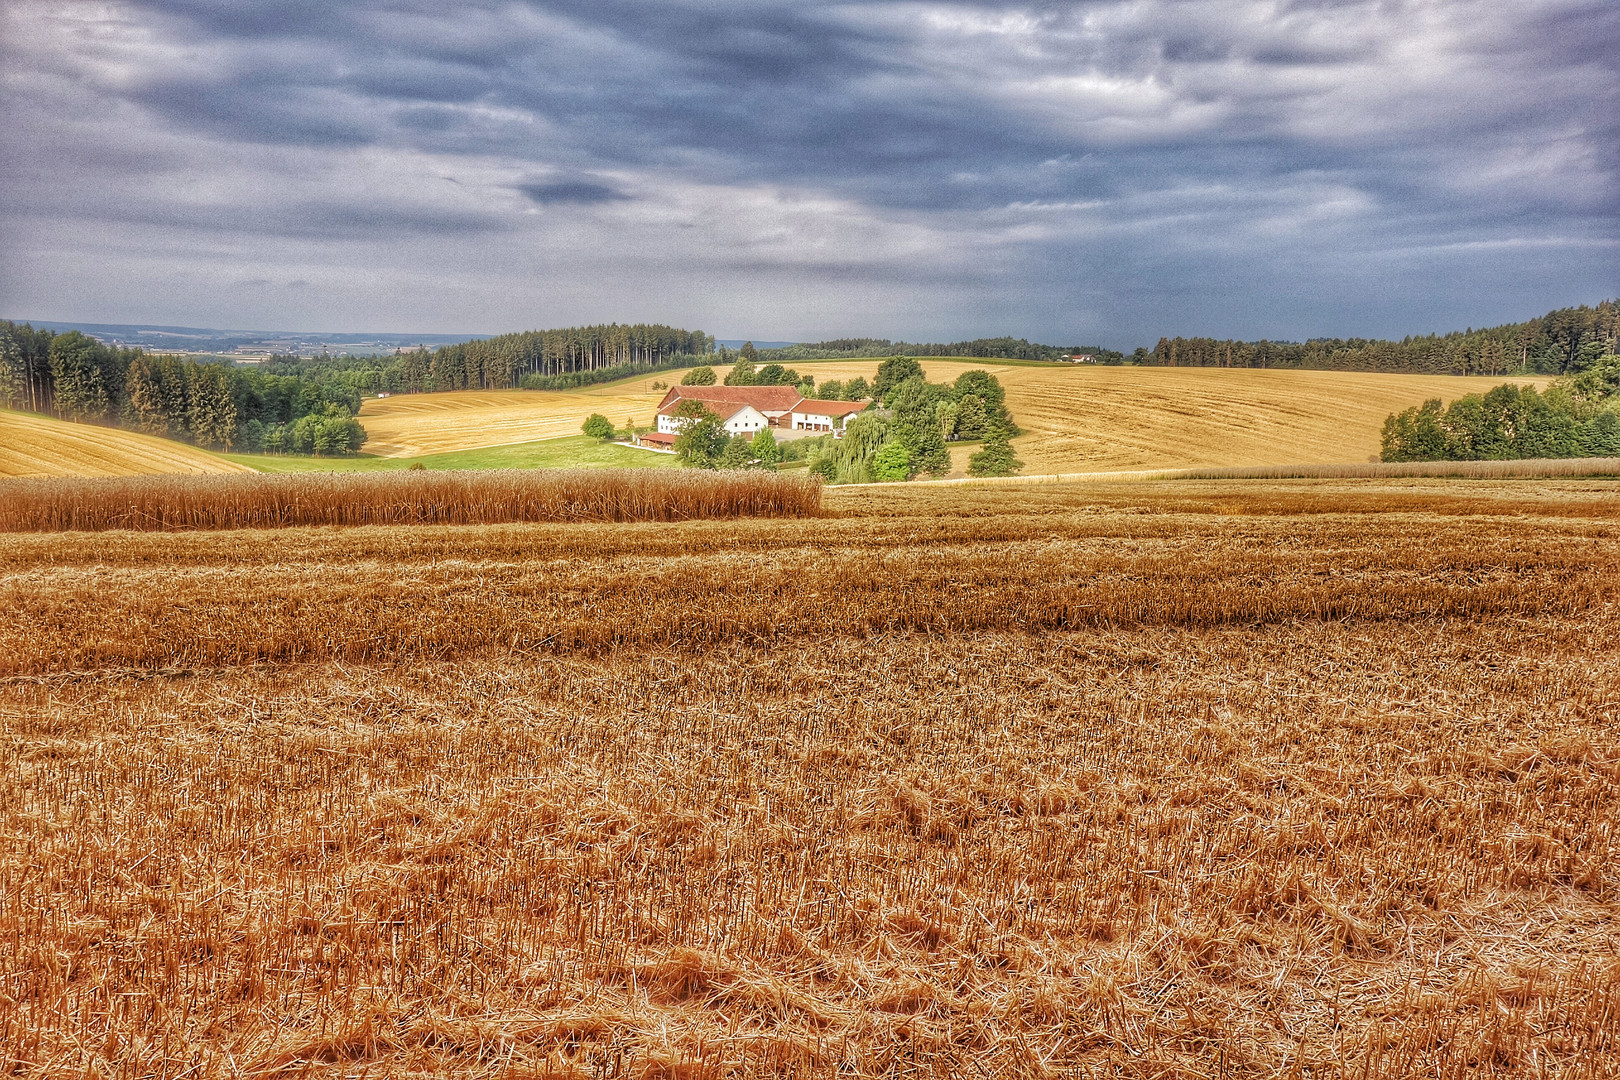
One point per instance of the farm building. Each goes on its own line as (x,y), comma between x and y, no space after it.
(746,410)
(736,417)
(657,440)
(771,402)
(811,415)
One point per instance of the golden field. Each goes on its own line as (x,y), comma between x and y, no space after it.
(414,425)
(1171,779)
(40,446)
(1075,419)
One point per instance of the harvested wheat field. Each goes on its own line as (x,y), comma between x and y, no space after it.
(414,425)
(40,446)
(1100,418)
(1075,419)
(1170,779)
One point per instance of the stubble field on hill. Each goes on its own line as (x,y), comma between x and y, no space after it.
(1075,419)
(42,446)
(1156,780)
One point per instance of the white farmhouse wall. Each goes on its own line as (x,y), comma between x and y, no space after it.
(746,421)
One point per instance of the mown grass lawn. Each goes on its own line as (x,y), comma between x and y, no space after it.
(573,452)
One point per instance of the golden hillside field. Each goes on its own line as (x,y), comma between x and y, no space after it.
(413,425)
(1076,419)
(1169,780)
(40,446)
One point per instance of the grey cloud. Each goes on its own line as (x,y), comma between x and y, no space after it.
(1176,148)
(551,192)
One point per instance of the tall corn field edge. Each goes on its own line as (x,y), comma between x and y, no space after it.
(485,497)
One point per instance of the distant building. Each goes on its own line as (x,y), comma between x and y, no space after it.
(746,410)
(771,402)
(657,440)
(736,417)
(812,415)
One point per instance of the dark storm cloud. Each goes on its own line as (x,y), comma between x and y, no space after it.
(1063,160)
(585,192)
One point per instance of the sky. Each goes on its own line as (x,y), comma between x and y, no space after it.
(1100,172)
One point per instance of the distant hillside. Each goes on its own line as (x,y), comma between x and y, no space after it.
(199,339)
(40,446)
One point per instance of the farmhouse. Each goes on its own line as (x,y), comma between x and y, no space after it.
(746,410)
(736,417)
(771,402)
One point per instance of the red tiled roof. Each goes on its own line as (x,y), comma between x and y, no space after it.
(658,437)
(830,408)
(763,398)
(725,410)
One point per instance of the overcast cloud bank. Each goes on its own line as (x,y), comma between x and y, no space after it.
(1104,171)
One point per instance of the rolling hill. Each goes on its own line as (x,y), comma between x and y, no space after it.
(40,446)
(1075,419)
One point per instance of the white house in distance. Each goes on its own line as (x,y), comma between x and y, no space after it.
(772,402)
(747,410)
(737,418)
(812,415)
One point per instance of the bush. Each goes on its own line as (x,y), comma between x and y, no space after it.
(699,376)
(892,462)
(996,458)
(765,450)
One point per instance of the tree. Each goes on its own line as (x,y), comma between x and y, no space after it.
(146,406)
(892,462)
(824,467)
(598,426)
(702,438)
(79,372)
(765,450)
(832,390)
(738,454)
(856,389)
(946,413)
(699,376)
(744,372)
(892,372)
(211,411)
(996,458)
(1415,435)
(13,375)
(972,418)
(985,385)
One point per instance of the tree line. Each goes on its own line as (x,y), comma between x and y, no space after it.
(214,405)
(533,359)
(1005,348)
(1577,416)
(1549,345)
